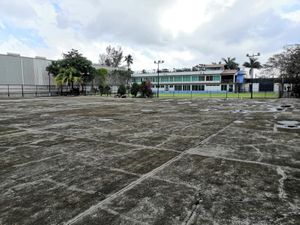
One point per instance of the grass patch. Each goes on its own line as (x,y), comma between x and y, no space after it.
(262,95)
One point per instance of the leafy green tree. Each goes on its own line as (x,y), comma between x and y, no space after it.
(101,79)
(134,89)
(107,90)
(129,61)
(54,68)
(73,59)
(287,66)
(230,63)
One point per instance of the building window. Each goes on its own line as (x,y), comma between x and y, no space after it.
(186,87)
(201,78)
(209,78)
(198,87)
(198,78)
(165,79)
(195,78)
(186,78)
(213,85)
(178,87)
(178,79)
(223,87)
(171,86)
(216,78)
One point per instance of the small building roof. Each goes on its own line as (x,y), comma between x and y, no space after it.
(229,72)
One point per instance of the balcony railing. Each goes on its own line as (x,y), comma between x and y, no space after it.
(227,81)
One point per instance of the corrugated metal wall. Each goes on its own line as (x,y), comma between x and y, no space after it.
(24,70)
(28,71)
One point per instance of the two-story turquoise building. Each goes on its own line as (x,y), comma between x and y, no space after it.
(211,77)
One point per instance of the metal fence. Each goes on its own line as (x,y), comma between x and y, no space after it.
(23,90)
(216,94)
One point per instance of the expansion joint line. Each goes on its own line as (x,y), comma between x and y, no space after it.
(99,205)
(190,218)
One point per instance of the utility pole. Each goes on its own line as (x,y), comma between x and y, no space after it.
(158,62)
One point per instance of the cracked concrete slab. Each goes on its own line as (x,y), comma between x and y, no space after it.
(92,160)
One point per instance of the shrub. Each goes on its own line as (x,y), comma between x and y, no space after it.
(146,90)
(122,90)
(134,89)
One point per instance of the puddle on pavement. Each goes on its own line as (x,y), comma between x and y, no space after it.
(288,124)
(105,120)
(184,103)
(286,106)
(239,111)
(147,111)
(239,122)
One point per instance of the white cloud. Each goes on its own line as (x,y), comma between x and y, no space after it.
(14,45)
(182,32)
(2,26)
(293,16)
(188,15)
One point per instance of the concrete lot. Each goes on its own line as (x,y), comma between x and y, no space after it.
(92,160)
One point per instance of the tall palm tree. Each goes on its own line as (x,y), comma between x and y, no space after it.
(128,60)
(230,63)
(252,64)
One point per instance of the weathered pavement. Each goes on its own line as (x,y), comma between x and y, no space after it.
(91,160)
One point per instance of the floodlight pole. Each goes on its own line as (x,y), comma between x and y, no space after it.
(49,85)
(158,62)
(251,70)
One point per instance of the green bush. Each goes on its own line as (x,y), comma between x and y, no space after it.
(134,89)
(122,90)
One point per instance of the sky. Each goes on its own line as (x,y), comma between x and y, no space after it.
(183,33)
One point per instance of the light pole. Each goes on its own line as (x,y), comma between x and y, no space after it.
(251,70)
(49,84)
(158,62)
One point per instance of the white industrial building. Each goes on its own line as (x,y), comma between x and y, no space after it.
(16,69)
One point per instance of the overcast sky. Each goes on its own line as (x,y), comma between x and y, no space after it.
(181,32)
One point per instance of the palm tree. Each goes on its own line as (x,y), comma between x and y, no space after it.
(128,60)
(252,64)
(68,76)
(230,63)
